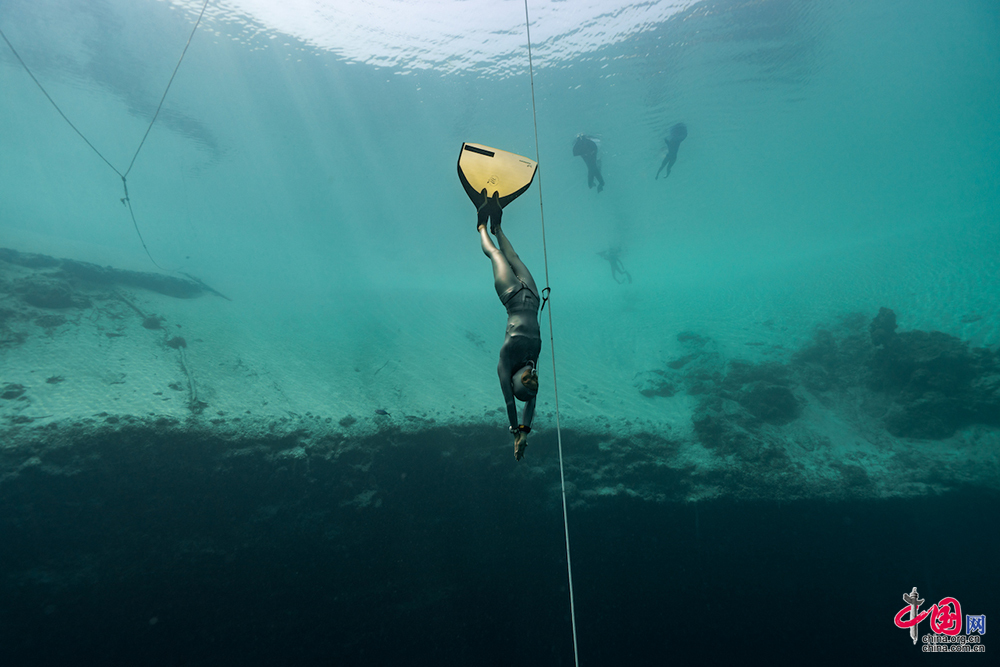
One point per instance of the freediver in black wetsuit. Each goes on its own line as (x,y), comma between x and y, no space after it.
(614,259)
(678,133)
(523,341)
(586,148)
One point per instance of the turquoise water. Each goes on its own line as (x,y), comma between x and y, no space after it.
(853,139)
(841,157)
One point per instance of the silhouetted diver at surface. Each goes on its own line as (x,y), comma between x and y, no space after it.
(612,255)
(523,341)
(678,133)
(586,148)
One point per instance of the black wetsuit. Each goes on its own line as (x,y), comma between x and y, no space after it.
(678,133)
(587,149)
(521,345)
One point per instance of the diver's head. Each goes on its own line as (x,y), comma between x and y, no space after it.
(525,383)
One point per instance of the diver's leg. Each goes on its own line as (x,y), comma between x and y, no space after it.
(614,270)
(520,270)
(621,267)
(503,275)
(662,165)
(591,160)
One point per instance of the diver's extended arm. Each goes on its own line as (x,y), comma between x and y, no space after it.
(521,434)
(504,372)
(529,412)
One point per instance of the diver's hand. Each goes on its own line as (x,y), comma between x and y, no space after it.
(520,444)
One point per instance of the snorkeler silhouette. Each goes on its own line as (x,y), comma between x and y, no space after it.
(678,133)
(586,148)
(612,255)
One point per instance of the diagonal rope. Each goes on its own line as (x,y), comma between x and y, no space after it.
(125,200)
(552,347)
(167,89)
(49,97)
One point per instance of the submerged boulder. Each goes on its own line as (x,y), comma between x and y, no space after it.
(763,390)
(937,383)
(43,292)
(654,383)
(772,403)
(883,328)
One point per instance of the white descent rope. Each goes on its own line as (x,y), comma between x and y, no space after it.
(555,386)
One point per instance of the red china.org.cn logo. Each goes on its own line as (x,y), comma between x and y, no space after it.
(946,624)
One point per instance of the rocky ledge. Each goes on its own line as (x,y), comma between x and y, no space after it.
(860,411)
